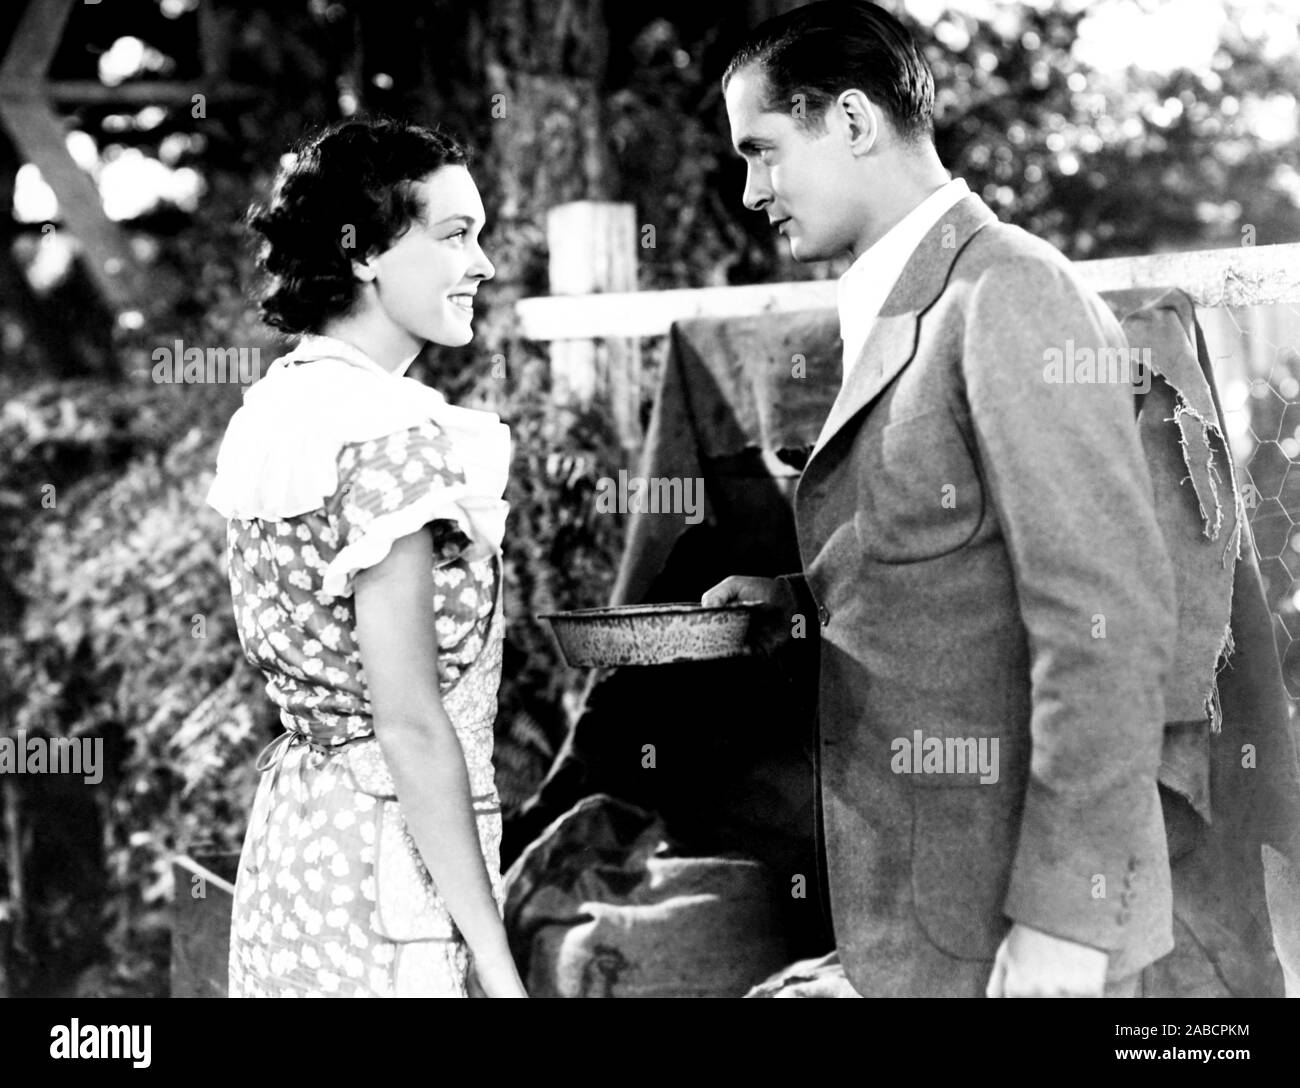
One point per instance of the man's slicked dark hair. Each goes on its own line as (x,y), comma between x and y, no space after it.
(823,49)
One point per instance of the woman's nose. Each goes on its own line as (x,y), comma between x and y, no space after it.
(482,267)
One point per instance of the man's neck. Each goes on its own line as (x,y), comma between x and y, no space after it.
(915,179)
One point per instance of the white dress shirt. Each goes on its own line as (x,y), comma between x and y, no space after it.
(862,290)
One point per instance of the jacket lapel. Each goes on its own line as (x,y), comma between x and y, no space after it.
(892,341)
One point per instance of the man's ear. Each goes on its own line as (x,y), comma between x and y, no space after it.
(861,119)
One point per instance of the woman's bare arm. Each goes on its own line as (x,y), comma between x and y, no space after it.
(398,645)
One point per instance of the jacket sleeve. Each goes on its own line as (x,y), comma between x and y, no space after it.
(1068,481)
(804,602)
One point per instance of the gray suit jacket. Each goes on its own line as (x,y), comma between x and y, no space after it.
(981,551)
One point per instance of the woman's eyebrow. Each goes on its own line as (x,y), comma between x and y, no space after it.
(468,220)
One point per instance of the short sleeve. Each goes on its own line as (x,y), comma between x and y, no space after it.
(390,487)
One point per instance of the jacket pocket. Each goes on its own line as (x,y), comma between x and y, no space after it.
(962,843)
(919,490)
(961,722)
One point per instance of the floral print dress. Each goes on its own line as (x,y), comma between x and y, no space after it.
(332,897)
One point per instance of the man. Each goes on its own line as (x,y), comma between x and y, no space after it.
(993,599)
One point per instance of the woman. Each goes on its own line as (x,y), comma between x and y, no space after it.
(364,557)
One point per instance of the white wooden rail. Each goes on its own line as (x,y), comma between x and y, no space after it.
(594,318)
(1240,276)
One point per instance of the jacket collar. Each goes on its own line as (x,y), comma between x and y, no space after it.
(892,342)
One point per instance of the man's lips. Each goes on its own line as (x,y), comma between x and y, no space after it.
(777,224)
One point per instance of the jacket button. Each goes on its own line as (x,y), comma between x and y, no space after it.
(823,615)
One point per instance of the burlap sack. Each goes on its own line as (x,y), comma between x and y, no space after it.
(821,977)
(598,907)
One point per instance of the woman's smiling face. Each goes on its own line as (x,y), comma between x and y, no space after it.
(426,281)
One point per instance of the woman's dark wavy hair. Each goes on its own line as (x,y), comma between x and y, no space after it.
(347,191)
(823,49)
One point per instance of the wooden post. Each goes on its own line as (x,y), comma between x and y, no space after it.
(592,251)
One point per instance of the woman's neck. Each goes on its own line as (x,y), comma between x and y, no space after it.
(392,348)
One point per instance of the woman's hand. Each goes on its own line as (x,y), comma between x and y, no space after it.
(498,976)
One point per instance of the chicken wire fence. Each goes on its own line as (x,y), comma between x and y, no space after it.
(1255,352)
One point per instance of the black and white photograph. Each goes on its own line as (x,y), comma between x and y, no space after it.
(589,499)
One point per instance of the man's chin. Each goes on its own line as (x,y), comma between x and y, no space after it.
(804,251)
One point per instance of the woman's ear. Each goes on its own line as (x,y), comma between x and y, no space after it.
(364,270)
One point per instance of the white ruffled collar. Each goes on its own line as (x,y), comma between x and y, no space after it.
(317,346)
(279,456)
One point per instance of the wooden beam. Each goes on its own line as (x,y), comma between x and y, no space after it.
(1240,276)
(216,30)
(38,136)
(35,41)
(143,92)
(651,313)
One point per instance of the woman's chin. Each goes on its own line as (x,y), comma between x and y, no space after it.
(451,335)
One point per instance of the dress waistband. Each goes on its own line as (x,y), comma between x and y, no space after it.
(276,750)
(305,729)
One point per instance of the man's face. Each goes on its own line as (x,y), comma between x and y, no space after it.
(804,182)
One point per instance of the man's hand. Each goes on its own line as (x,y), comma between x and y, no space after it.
(1031,963)
(777,601)
(745,589)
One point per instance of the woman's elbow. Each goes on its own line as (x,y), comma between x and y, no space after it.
(412,733)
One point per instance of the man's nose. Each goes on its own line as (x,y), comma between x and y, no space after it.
(757,190)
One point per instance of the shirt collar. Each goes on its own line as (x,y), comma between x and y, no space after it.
(862,290)
(891,251)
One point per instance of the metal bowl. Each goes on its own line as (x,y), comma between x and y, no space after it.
(651,634)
